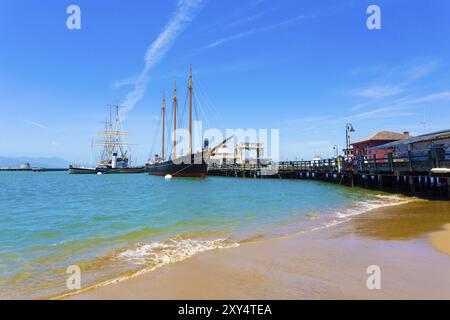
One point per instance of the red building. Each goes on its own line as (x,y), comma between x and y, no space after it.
(360,148)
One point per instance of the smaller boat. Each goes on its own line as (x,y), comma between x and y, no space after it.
(114,150)
(107,170)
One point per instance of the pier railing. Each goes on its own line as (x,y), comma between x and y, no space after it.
(420,161)
(408,162)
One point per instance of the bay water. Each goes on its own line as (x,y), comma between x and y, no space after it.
(117,226)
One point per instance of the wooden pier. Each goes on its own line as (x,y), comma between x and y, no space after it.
(34,169)
(421,175)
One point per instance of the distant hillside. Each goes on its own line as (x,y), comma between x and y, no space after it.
(40,162)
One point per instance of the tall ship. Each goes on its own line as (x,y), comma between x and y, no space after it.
(191,164)
(114,150)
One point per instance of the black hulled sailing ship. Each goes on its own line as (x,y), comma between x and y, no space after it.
(114,151)
(188,165)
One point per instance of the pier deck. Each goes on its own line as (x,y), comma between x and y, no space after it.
(412,174)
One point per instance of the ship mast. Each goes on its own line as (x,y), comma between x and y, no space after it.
(163,124)
(175,122)
(115,130)
(190,110)
(111,138)
(117,133)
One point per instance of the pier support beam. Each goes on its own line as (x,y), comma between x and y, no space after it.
(381,183)
(422,184)
(389,182)
(434,187)
(413,182)
(430,185)
(396,184)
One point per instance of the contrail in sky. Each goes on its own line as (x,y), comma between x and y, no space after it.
(36,124)
(183,16)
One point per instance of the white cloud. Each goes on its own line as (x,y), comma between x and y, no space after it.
(396,80)
(36,124)
(378,92)
(421,71)
(385,112)
(254,31)
(444,95)
(247,19)
(185,13)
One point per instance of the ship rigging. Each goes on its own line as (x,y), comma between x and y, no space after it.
(114,150)
(191,164)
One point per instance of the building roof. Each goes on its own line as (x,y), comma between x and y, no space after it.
(423,138)
(384,136)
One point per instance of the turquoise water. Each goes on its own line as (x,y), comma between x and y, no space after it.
(119,224)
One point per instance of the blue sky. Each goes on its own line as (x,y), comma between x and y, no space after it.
(306,67)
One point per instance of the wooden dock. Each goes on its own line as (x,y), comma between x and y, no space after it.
(421,175)
(34,169)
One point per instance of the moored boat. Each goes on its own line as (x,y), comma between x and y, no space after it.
(183,167)
(189,165)
(114,155)
(105,170)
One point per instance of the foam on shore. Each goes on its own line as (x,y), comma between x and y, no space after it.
(362,207)
(336,218)
(380,201)
(155,255)
(171,251)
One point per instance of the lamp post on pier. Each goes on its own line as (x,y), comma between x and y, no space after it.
(336,150)
(348,131)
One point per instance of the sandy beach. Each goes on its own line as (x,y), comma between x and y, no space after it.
(410,244)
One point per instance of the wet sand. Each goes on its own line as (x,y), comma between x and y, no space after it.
(441,240)
(409,243)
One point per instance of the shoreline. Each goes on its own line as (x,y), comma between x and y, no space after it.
(441,240)
(326,267)
(313,224)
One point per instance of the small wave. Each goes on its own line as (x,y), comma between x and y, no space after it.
(329,224)
(60,243)
(170,251)
(155,255)
(362,207)
(332,219)
(380,201)
(313,216)
(255,238)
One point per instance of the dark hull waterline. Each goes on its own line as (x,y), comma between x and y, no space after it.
(177,170)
